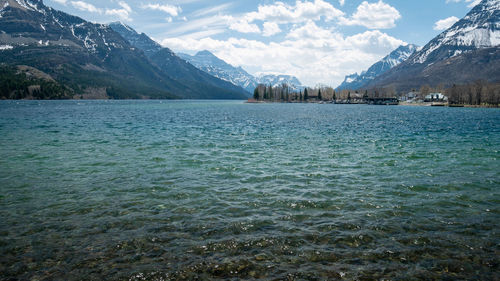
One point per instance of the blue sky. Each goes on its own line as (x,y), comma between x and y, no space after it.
(319,41)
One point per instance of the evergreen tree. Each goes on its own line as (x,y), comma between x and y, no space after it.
(319,95)
(334,98)
(306,95)
(256,94)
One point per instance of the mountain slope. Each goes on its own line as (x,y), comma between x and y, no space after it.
(355,81)
(474,39)
(179,69)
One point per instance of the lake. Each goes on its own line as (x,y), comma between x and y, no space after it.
(161,190)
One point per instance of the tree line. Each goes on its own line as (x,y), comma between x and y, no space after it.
(477,93)
(285,93)
(17,85)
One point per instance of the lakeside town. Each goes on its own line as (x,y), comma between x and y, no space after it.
(477,94)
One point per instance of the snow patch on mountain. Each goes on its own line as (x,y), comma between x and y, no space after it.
(6,47)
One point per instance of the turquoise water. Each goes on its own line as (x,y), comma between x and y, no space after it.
(152,190)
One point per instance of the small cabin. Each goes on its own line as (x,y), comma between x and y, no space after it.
(435,97)
(410,96)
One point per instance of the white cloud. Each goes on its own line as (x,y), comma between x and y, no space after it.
(472,3)
(206,24)
(311,31)
(123,13)
(244,26)
(84,6)
(445,23)
(324,56)
(280,12)
(125,6)
(374,16)
(341,2)
(211,10)
(271,28)
(63,2)
(169,9)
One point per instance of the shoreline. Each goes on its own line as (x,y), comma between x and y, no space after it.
(430,104)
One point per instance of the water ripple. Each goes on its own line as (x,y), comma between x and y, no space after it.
(183,190)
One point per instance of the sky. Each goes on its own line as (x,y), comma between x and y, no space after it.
(318,41)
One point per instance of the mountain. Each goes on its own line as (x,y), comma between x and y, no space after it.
(213,65)
(467,51)
(83,59)
(279,79)
(179,69)
(356,81)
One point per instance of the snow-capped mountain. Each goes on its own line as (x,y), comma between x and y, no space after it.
(480,28)
(356,81)
(280,79)
(213,65)
(467,51)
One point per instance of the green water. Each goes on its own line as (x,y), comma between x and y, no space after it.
(152,190)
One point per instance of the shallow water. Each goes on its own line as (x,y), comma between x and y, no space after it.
(155,190)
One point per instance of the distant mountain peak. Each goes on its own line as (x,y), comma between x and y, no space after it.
(205,53)
(124,25)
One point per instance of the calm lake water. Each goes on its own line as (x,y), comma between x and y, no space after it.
(160,190)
